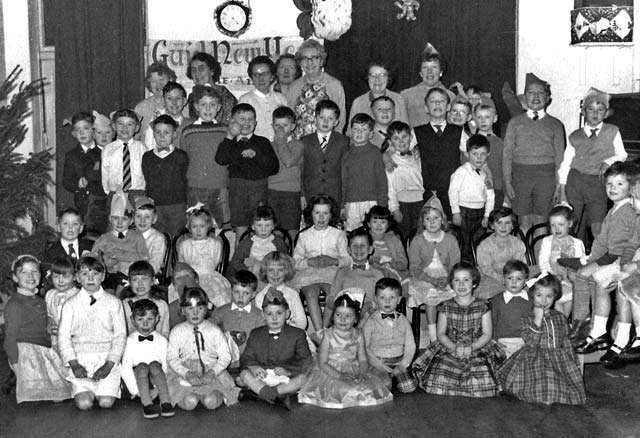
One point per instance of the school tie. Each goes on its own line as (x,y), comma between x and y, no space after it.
(594,133)
(438,130)
(72,252)
(323,145)
(121,235)
(199,345)
(126,168)
(145,338)
(535,116)
(477,171)
(92,300)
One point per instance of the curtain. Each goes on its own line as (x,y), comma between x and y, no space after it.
(476,37)
(99,64)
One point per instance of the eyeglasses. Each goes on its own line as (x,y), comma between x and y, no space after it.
(310,58)
(261,74)
(199,68)
(379,76)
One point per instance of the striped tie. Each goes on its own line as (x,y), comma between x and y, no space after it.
(126,168)
(323,144)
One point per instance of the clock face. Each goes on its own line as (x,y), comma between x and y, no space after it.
(233,18)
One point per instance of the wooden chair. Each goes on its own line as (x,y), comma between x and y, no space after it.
(163,275)
(535,235)
(226,248)
(282,233)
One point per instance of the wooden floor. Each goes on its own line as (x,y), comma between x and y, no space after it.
(612,410)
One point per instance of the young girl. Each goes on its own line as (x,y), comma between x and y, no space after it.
(276,269)
(494,251)
(560,244)
(432,253)
(37,366)
(198,356)
(252,249)
(204,254)
(341,378)
(465,358)
(62,273)
(546,369)
(389,254)
(141,277)
(320,251)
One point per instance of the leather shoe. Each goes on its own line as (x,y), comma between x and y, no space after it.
(246,394)
(611,359)
(284,401)
(590,344)
(631,354)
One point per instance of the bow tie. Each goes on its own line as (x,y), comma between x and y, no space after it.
(274,335)
(404,154)
(121,235)
(388,315)
(92,300)
(359,266)
(145,338)
(241,309)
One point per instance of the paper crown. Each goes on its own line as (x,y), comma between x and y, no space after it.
(141,201)
(101,121)
(120,204)
(597,96)
(487,101)
(533,79)
(274,296)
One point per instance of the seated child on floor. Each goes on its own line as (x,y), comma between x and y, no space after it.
(144,362)
(465,359)
(204,254)
(242,315)
(388,337)
(38,368)
(546,369)
(198,357)
(63,272)
(252,249)
(359,279)
(276,269)
(92,336)
(276,356)
(141,278)
(494,251)
(341,377)
(183,276)
(508,308)
(389,254)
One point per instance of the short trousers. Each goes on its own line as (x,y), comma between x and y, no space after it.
(287,208)
(535,186)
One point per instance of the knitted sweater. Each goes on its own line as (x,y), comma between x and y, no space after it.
(166,177)
(439,155)
(201,142)
(363,175)
(25,321)
(263,164)
(507,317)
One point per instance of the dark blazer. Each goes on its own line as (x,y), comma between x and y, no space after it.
(290,351)
(321,172)
(76,162)
(55,251)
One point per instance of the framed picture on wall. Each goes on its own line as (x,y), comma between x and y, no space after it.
(602,24)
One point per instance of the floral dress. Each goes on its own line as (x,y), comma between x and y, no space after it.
(305,107)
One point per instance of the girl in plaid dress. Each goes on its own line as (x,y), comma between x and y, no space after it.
(464,359)
(546,369)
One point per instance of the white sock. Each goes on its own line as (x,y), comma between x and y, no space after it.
(636,342)
(599,326)
(622,338)
(432,332)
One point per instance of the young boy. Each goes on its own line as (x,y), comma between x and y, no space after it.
(78,159)
(144,218)
(440,145)
(240,316)
(460,113)
(591,150)
(97,218)
(276,356)
(388,336)
(322,157)
(121,246)
(62,275)
(144,362)
(69,244)
(618,228)
(122,158)
(165,172)
(284,187)
(251,161)
(360,277)
(533,148)
(406,189)
(471,194)
(364,181)
(206,180)
(141,278)
(485,116)
(92,336)
(174,97)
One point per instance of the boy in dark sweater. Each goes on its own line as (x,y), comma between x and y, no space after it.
(165,172)
(251,160)
(364,180)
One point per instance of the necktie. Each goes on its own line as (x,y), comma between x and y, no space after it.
(121,235)
(389,315)
(145,338)
(594,133)
(126,168)
(323,144)
(438,130)
(535,116)
(477,171)
(199,345)
(72,252)
(92,300)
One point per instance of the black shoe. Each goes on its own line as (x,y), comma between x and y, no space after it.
(151,411)
(631,354)
(284,401)
(611,359)
(166,410)
(246,394)
(590,344)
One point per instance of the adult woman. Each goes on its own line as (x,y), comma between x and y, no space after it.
(315,85)
(287,71)
(378,79)
(158,74)
(204,69)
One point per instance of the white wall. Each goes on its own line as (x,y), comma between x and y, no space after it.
(543,48)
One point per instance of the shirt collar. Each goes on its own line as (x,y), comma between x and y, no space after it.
(26,292)
(88,148)
(587,129)
(260,93)
(508,296)
(97,295)
(248,137)
(328,135)
(165,152)
(620,204)
(246,308)
(442,125)
(200,121)
(541,113)
(115,233)
(65,243)
(367,266)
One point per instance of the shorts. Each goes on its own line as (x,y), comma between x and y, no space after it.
(287,208)
(587,196)
(535,186)
(244,196)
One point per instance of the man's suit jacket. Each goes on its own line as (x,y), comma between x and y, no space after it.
(55,251)
(321,172)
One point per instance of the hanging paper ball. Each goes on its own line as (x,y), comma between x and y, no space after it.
(331,18)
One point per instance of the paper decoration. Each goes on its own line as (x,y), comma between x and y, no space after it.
(613,24)
(408,9)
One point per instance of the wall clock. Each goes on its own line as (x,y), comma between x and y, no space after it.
(233,18)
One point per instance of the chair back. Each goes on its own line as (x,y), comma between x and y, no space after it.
(163,275)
